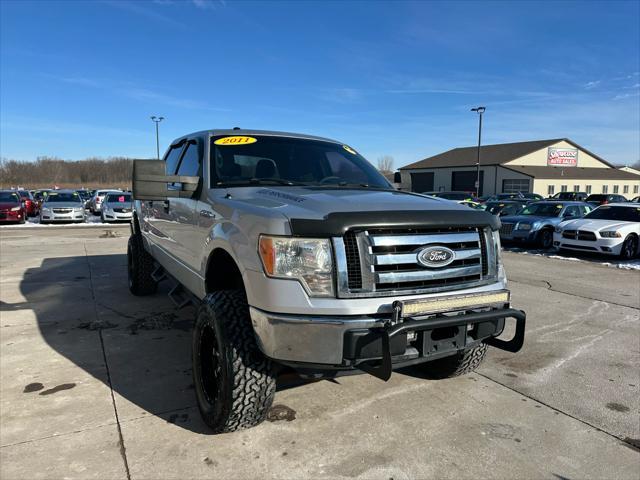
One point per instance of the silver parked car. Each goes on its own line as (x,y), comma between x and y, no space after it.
(95,204)
(117,207)
(62,206)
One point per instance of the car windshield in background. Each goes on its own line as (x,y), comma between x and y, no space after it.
(496,208)
(621,214)
(63,197)
(542,209)
(118,198)
(596,198)
(9,197)
(453,196)
(275,160)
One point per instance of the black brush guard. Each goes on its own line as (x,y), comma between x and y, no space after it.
(399,325)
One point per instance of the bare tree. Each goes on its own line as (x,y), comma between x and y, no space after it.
(385,164)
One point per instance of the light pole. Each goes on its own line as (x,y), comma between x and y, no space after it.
(157,120)
(479,111)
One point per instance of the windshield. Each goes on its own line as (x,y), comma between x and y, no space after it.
(24,194)
(542,209)
(9,197)
(596,198)
(495,208)
(289,161)
(621,214)
(453,196)
(63,197)
(118,198)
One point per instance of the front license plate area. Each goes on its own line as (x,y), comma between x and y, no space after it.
(443,339)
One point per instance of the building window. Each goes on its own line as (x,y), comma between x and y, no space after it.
(625,189)
(636,188)
(615,189)
(515,186)
(588,189)
(563,188)
(551,189)
(605,188)
(576,188)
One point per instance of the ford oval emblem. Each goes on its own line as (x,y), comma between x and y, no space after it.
(434,257)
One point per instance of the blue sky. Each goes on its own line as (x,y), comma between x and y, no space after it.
(81,79)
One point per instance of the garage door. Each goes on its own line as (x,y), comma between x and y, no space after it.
(422,182)
(466,181)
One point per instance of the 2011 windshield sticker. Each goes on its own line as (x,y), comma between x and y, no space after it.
(235,140)
(349,149)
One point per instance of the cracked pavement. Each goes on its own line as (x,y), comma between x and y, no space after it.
(96,383)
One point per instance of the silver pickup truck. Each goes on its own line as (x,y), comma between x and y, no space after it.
(300,255)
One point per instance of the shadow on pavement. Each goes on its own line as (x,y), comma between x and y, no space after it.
(82,305)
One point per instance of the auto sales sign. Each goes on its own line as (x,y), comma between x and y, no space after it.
(563,157)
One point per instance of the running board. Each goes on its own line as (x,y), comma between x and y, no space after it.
(179,296)
(158,274)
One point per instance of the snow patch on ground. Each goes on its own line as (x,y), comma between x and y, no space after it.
(90,221)
(603,260)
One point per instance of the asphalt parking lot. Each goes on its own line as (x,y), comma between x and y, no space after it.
(96,383)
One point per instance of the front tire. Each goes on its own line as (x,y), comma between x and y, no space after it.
(461,363)
(629,247)
(234,381)
(139,267)
(545,239)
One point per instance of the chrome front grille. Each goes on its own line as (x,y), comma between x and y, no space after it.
(62,210)
(380,262)
(506,228)
(579,235)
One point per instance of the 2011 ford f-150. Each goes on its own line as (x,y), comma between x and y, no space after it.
(300,254)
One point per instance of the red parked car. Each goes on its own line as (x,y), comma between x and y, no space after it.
(30,205)
(11,207)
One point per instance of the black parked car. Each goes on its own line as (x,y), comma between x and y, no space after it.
(604,198)
(573,196)
(507,207)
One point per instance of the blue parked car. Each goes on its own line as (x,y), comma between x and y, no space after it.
(535,223)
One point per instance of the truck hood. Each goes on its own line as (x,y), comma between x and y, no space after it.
(333,211)
(315,203)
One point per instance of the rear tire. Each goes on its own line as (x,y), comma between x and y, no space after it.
(140,266)
(629,248)
(234,381)
(461,363)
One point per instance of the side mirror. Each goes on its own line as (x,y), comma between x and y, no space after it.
(151,183)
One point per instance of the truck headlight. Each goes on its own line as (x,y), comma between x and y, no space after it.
(610,234)
(307,260)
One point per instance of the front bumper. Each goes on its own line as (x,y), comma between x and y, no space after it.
(117,217)
(62,217)
(345,342)
(609,246)
(523,236)
(9,216)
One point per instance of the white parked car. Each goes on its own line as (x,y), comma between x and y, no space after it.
(613,229)
(117,207)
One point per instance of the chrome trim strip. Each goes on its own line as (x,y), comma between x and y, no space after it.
(418,275)
(342,279)
(404,258)
(422,239)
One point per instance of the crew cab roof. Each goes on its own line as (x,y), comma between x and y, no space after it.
(243,132)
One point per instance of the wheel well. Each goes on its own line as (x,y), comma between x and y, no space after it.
(222,272)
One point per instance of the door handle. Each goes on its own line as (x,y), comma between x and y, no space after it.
(207,214)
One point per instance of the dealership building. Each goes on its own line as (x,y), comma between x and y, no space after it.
(544,167)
